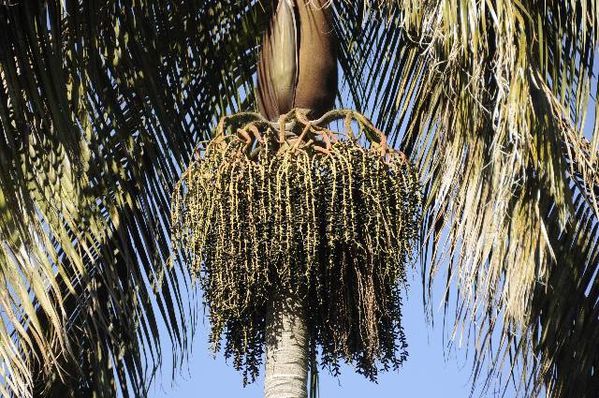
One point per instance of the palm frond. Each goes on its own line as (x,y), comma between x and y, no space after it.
(490,99)
(101,105)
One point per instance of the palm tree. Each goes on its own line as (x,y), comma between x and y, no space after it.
(103,103)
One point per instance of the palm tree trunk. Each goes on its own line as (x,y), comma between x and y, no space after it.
(286,349)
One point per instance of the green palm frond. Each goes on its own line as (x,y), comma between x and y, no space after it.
(101,106)
(490,99)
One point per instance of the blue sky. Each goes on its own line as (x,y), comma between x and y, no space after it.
(427,373)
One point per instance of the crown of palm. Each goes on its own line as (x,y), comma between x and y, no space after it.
(102,105)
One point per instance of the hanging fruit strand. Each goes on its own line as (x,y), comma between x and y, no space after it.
(291,207)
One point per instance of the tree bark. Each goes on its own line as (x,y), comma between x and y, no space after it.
(286,349)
